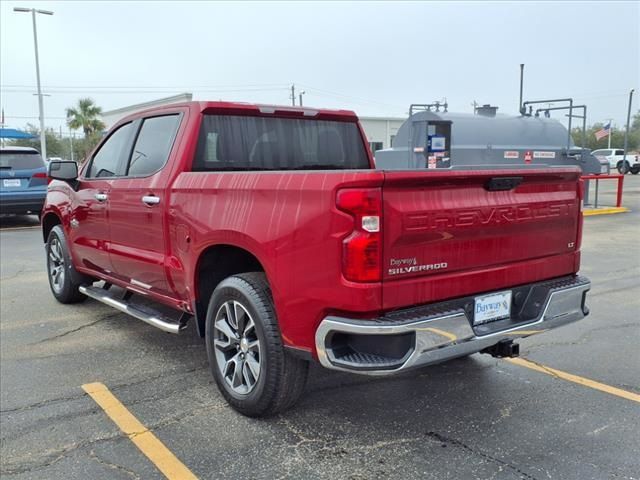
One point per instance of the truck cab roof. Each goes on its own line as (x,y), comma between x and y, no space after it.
(241,108)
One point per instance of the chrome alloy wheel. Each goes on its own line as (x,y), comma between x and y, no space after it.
(56,265)
(237,347)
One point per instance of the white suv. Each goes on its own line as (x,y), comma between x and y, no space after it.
(615,155)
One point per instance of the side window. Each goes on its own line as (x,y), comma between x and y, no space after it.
(153,145)
(105,162)
(619,152)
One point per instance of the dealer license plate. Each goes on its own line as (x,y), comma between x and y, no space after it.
(11,182)
(489,308)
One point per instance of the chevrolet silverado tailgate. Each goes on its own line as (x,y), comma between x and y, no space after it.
(452,233)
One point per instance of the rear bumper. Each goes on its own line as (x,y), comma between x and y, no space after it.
(431,334)
(22,202)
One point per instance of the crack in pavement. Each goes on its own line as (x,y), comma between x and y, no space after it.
(55,456)
(457,443)
(74,330)
(113,466)
(583,338)
(139,381)
(51,458)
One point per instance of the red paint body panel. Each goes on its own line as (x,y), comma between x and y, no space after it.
(289,221)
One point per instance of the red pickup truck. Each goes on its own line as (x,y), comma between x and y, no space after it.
(271,228)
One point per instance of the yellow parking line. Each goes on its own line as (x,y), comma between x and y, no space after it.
(523,362)
(444,333)
(604,211)
(147,442)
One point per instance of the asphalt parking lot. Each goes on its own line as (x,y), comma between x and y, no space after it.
(478,417)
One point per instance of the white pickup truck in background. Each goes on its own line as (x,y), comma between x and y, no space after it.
(615,157)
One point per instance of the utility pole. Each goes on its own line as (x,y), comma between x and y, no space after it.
(626,134)
(521,107)
(43,141)
(293,95)
(71,144)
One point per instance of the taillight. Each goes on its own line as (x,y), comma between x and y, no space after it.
(362,249)
(581,188)
(41,175)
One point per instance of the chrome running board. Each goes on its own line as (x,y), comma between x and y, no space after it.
(146,314)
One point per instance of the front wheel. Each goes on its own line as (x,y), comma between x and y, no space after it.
(623,167)
(250,365)
(63,279)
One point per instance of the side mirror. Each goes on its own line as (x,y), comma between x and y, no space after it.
(67,171)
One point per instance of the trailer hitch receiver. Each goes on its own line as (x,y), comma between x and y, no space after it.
(502,349)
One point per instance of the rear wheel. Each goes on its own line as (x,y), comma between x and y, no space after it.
(247,359)
(63,279)
(635,170)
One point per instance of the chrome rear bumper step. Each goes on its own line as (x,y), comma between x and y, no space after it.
(144,313)
(431,334)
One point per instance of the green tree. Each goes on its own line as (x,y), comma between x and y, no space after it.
(55,147)
(85,116)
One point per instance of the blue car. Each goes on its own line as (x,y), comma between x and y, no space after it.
(23,181)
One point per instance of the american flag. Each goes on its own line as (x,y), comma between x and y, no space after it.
(603,132)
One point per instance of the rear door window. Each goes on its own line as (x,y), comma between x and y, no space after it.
(15,160)
(619,152)
(153,145)
(109,160)
(229,142)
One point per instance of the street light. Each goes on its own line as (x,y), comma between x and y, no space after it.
(300,96)
(43,142)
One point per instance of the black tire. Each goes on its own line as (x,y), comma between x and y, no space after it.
(281,377)
(623,168)
(64,281)
(635,170)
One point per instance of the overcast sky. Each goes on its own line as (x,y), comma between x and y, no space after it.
(375,58)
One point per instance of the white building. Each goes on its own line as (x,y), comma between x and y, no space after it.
(380,131)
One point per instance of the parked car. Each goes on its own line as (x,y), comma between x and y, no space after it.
(271,230)
(23,181)
(615,158)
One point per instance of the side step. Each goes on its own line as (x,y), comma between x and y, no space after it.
(146,314)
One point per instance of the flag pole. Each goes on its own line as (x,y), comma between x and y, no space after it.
(610,132)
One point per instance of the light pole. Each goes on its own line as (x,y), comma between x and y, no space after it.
(626,134)
(43,142)
(300,96)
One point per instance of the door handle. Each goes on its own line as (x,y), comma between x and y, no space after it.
(101,197)
(150,200)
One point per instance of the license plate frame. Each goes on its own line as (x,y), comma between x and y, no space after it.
(492,307)
(11,182)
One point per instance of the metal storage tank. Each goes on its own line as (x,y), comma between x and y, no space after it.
(429,139)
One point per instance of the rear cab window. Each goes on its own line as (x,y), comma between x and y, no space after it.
(20,160)
(237,143)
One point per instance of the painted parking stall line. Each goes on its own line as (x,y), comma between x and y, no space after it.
(170,466)
(618,392)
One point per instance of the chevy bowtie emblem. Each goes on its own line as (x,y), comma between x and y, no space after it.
(12,174)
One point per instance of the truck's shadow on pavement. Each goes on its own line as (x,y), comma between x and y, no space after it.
(18,221)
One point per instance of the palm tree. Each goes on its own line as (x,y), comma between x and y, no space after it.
(85,115)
